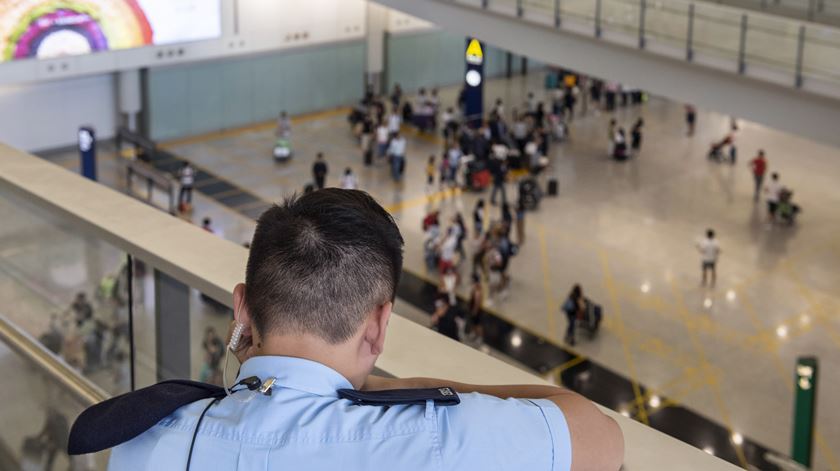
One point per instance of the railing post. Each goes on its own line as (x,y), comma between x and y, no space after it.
(742,47)
(519,9)
(800,53)
(132,359)
(642,12)
(172,327)
(557,19)
(597,18)
(484,4)
(689,37)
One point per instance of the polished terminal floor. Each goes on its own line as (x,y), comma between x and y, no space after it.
(626,232)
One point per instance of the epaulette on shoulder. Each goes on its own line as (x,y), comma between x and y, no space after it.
(124,417)
(441,396)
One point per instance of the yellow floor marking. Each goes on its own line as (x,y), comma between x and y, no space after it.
(785,377)
(261,126)
(657,305)
(706,369)
(824,319)
(628,354)
(573,362)
(814,304)
(688,382)
(423,199)
(655,346)
(425,276)
(434,138)
(550,303)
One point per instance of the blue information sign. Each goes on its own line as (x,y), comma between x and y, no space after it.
(474,83)
(87,151)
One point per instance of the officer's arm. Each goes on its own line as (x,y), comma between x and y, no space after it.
(597,441)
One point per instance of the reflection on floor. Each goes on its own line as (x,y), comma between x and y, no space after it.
(626,233)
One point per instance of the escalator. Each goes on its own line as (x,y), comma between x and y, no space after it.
(44,395)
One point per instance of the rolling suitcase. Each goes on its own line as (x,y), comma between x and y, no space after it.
(553,187)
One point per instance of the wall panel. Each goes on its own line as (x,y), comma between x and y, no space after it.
(47,115)
(432,58)
(198,98)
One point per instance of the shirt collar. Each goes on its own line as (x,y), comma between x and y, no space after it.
(295,373)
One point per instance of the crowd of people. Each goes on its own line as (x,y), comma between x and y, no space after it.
(92,334)
(488,153)
(618,146)
(477,156)
(780,206)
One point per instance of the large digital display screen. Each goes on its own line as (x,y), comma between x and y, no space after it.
(54,28)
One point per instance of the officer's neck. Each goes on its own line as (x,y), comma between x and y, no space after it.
(345,358)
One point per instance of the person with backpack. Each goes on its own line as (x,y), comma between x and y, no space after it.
(773,190)
(575,308)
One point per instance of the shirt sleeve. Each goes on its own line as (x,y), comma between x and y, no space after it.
(488,433)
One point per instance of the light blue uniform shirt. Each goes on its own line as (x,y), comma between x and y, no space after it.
(303,425)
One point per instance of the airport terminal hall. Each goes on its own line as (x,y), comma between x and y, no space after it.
(420,235)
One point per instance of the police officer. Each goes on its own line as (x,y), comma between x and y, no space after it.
(313,315)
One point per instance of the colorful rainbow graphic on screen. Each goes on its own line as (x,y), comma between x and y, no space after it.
(55,28)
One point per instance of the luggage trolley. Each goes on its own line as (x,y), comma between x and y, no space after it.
(282,150)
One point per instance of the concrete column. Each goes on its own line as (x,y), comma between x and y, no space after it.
(172,326)
(130,101)
(377,28)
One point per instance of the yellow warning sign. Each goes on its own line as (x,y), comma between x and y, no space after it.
(474,53)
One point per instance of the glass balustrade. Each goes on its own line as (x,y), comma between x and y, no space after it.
(111,316)
(764,46)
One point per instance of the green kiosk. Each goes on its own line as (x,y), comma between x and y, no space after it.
(805,403)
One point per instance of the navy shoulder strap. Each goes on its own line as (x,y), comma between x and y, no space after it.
(124,417)
(392,397)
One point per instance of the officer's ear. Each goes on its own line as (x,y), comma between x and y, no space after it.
(240,308)
(377,325)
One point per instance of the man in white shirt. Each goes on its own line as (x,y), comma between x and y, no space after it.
(397,152)
(394,122)
(383,136)
(348,180)
(448,247)
(772,190)
(284,126)
(186,176)
(709,252)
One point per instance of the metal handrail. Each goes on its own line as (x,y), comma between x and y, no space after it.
(50,364)
(799,61)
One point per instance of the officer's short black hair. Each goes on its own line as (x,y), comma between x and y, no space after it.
(320,263)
